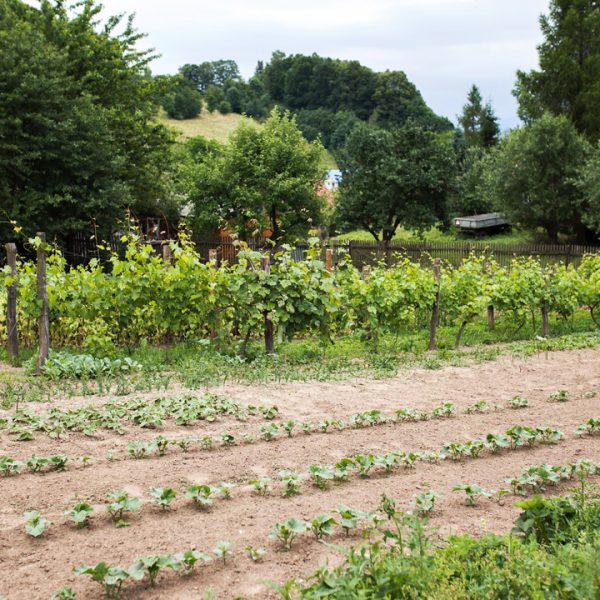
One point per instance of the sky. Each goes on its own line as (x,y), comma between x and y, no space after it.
(444,46)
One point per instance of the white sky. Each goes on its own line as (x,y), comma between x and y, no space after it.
(443,45)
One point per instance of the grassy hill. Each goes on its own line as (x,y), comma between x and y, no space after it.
(216,126)
(213,126)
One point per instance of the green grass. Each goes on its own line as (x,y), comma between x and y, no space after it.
(436,235)
(213,126)
(200,363)
(216,126)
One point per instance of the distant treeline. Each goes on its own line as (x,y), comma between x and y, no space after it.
(328,95)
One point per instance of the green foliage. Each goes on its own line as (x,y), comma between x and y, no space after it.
(78,140)
(36,525)
(472,492)
(163,497)
(478,122)
(287,530)
(534,177)
(264,179)
(110,578)
(394,177)
(119,503)
(80,514)
(83,366)
(568,79)
(291,482)
(201,495)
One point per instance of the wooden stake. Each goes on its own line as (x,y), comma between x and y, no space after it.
(166,253)
(44,319)
(435,313)
(212,256)
(545,321)
(265,264)
(11,308)
(329,259)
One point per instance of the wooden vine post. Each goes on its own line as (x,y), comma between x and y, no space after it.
(265,263)
(212,256)
(328,259)
(166,254)
(11,309)
(435,313)
(42,294)
(545,320)
(490,308)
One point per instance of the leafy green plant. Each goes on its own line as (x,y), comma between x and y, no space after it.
(269,412)
(163,497)
(343,468)
(286,531)
(424,502)
(255,554)
(481,406)
(110,578)
(472,492)
(261,485)
(559,396)
(65,593)
(349,517)
(322,525)
(291,482)
(445,410)
(225,488)
(364,462)
(151,565)
(321,475)
(518,402)
(35,525)
(80,514)
(201,494)
(269,432)
(289,426)
(223,550)
(119,503)
(189,558)
(9,466)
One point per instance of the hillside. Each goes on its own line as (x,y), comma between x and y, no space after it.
(216,126)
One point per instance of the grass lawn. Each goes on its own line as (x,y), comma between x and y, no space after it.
(436,235)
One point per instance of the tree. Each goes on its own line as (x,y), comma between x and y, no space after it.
(394,177)
(217,72)
(181,101)
(589,185)
(534,177)
(478,121)
(472,193)
(78,137)
(568,80)
(265,178)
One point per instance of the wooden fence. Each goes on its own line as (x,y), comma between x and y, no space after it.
(363,253)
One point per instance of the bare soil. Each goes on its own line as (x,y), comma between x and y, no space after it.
(34,568)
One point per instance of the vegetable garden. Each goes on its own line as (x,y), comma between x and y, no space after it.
(124,480)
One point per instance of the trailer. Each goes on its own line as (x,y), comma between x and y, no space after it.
(485,224)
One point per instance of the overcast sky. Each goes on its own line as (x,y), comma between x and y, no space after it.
(443,46)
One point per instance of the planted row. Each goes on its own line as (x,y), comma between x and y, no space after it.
(38,464)
(513,438)
(590,427)
(184,410)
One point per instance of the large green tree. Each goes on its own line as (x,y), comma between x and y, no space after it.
(265,178)
(393,178)
(589,184)
(535,173)
(478,121)
(568,79)
(78,140)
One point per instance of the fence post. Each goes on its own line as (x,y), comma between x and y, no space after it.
(435,313)
(328,259)
(265,263)
(490,308)
(166,254)
(545,321)
(212,256)
(11,309)
(366,272)
(44,320)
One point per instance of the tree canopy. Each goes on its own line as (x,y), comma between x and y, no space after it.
(394,177)
(535,173)
(264,179)
(568,79)
(78,140)
(478,121)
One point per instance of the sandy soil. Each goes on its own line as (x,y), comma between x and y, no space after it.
(40,566)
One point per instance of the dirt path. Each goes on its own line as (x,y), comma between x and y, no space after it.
(40,566)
